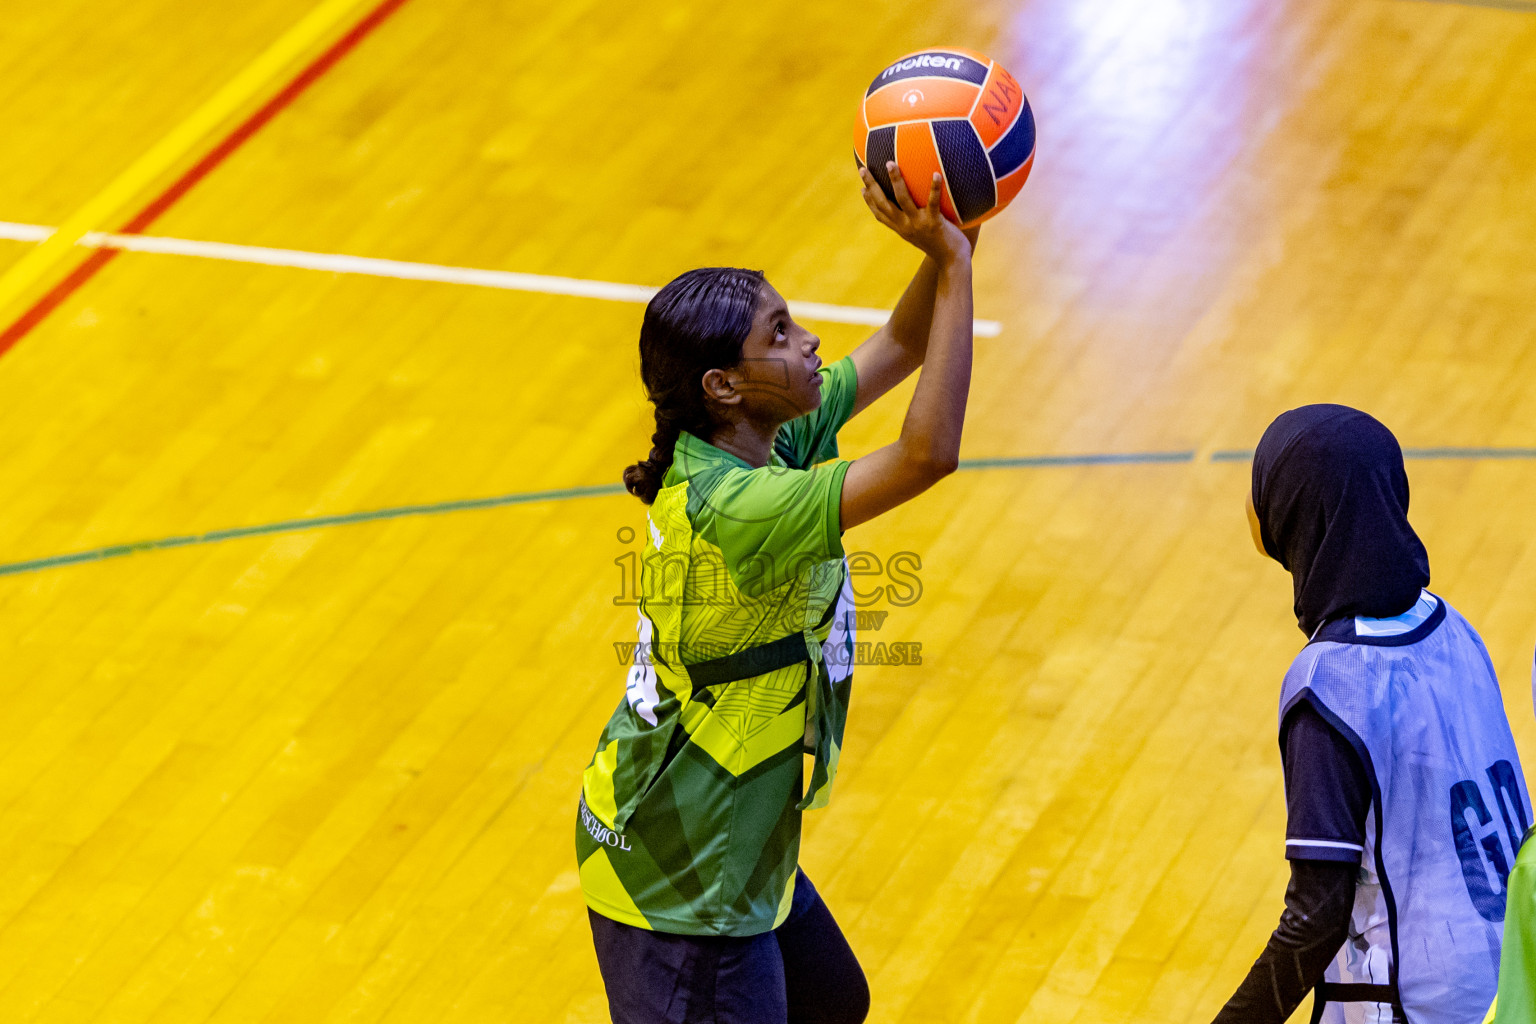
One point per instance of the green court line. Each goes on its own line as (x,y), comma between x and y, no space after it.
(1101,459)
(1469,453)
(597,490)
(1246,454)
(1523,6)
(295,525)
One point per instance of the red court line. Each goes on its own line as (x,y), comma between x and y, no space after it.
(197,172)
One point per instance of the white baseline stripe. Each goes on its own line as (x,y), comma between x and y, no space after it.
(504,279)
(24,232)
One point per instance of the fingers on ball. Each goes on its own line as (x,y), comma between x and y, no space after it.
(903,195)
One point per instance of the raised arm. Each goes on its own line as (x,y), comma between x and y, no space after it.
(892,353)
(928,448)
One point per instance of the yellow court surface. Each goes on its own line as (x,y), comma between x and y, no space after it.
(311,573)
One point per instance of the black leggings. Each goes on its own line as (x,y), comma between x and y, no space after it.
(802,972)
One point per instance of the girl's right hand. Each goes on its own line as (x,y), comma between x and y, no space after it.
(925,227)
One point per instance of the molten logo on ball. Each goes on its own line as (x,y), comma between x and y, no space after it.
(925,61)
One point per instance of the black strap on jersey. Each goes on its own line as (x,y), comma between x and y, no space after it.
(1337,992)
(754,661)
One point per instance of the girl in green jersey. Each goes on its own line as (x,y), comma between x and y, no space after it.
(688,825)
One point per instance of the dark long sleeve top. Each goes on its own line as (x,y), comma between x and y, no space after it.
(1327,796)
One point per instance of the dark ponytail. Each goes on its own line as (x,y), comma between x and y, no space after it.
(695,324)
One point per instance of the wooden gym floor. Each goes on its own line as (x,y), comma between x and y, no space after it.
(327,771)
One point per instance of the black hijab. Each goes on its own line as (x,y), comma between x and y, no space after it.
(1332,500)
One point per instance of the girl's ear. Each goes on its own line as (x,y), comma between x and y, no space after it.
(719,386)
(1254,529)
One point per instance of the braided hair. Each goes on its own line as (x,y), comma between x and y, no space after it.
(697,323)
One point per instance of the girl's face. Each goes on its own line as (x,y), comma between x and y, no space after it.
(777,378)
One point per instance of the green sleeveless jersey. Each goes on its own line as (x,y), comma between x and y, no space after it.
(689,817)
(1516,1002)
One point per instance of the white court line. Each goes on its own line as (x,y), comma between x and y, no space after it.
(24,232)
(505,279)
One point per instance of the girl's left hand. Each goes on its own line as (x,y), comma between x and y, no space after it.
(924,227)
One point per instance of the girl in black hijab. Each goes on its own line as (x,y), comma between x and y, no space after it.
(1389,671)
(1331,498)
